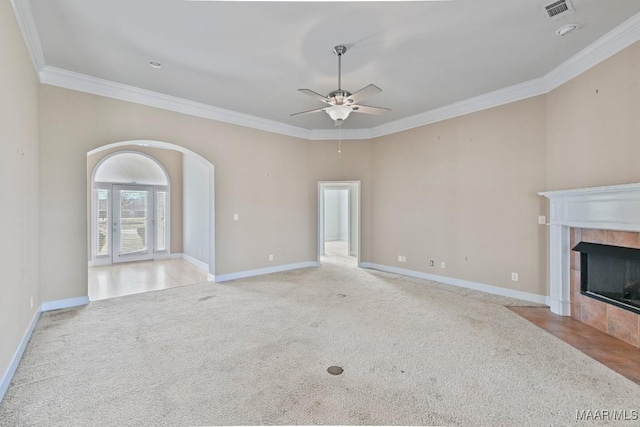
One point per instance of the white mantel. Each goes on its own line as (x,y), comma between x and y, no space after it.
(615,207)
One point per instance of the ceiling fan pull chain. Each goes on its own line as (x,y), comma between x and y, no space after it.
(340,142)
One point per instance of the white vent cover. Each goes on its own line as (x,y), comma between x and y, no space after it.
(558,9)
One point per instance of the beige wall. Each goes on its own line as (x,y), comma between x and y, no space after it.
(171,160)
(463,191)
(593,133)
(19,216)
(268,179)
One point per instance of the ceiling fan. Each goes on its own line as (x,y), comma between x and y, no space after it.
(342,102)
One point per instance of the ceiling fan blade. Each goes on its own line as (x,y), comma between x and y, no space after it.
(317,110)
(366,109)
(363,93)
(315,95)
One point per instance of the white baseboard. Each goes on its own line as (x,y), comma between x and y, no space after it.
(15,360)
(260,271)
(64,303)
(211,277)
(496,290)
(192,260)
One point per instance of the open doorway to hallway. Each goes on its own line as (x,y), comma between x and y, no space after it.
(339,222)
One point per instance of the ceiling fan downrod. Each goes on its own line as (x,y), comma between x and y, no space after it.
(339,50)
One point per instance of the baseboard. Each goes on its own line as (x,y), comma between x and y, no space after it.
(17,356)
(196,262)
(64,303)
(192,260)
(261,271)
(211,277)
(496,290)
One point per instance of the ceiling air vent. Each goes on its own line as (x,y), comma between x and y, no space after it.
(557,9)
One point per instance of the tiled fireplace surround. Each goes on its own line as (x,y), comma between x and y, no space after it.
(622,324)
(605,215)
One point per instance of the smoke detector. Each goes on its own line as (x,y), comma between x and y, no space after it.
(558,9)
(566,29)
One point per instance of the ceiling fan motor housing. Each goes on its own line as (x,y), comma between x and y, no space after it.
(340,96)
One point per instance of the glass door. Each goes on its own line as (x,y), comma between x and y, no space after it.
(132,223)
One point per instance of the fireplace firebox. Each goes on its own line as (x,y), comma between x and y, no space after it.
(610,274)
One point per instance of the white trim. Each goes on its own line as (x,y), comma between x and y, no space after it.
(331,134)
(211,277)
(493,99)
(81,82)
(196,262)
(64,303)
(261,271)
(611,43)
(24,16)
(496,290)
(15,360)
(608,45)
(192,260)
(614,207)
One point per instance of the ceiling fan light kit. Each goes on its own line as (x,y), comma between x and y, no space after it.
(342,102)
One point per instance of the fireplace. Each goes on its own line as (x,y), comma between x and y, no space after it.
(610,274)
(605,216)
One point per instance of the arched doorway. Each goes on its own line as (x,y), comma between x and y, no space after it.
(191,240)
(130,209)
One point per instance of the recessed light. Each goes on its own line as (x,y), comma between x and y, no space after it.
(566,29)
(154,64)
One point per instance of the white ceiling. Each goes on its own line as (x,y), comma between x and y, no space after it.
(252,57)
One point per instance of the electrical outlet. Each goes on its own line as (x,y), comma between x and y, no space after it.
(514,277)
(31,302)
(402,258)
(442,264)
(542,219)
(236,217)
(270,257)
(431,263)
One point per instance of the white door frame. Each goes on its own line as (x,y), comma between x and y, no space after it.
(339,185)
(116,229)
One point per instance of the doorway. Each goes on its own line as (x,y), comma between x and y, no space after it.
(339,222)
(140,226)
(130,221)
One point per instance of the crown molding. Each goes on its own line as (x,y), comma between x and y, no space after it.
(24,16)
(489,100)
(605,47)
(83,83)
(328,134)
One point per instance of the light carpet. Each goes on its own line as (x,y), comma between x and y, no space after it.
(256,351)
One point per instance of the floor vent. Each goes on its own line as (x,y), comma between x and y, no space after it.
(558,8)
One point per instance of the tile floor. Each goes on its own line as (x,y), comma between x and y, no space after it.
(136,277)
(606,349)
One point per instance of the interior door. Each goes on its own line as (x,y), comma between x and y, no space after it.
(133,223)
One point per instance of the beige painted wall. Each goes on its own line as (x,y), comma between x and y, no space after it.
(269,180)
(463,192)
(171,160)
(19,216)
(593,134)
